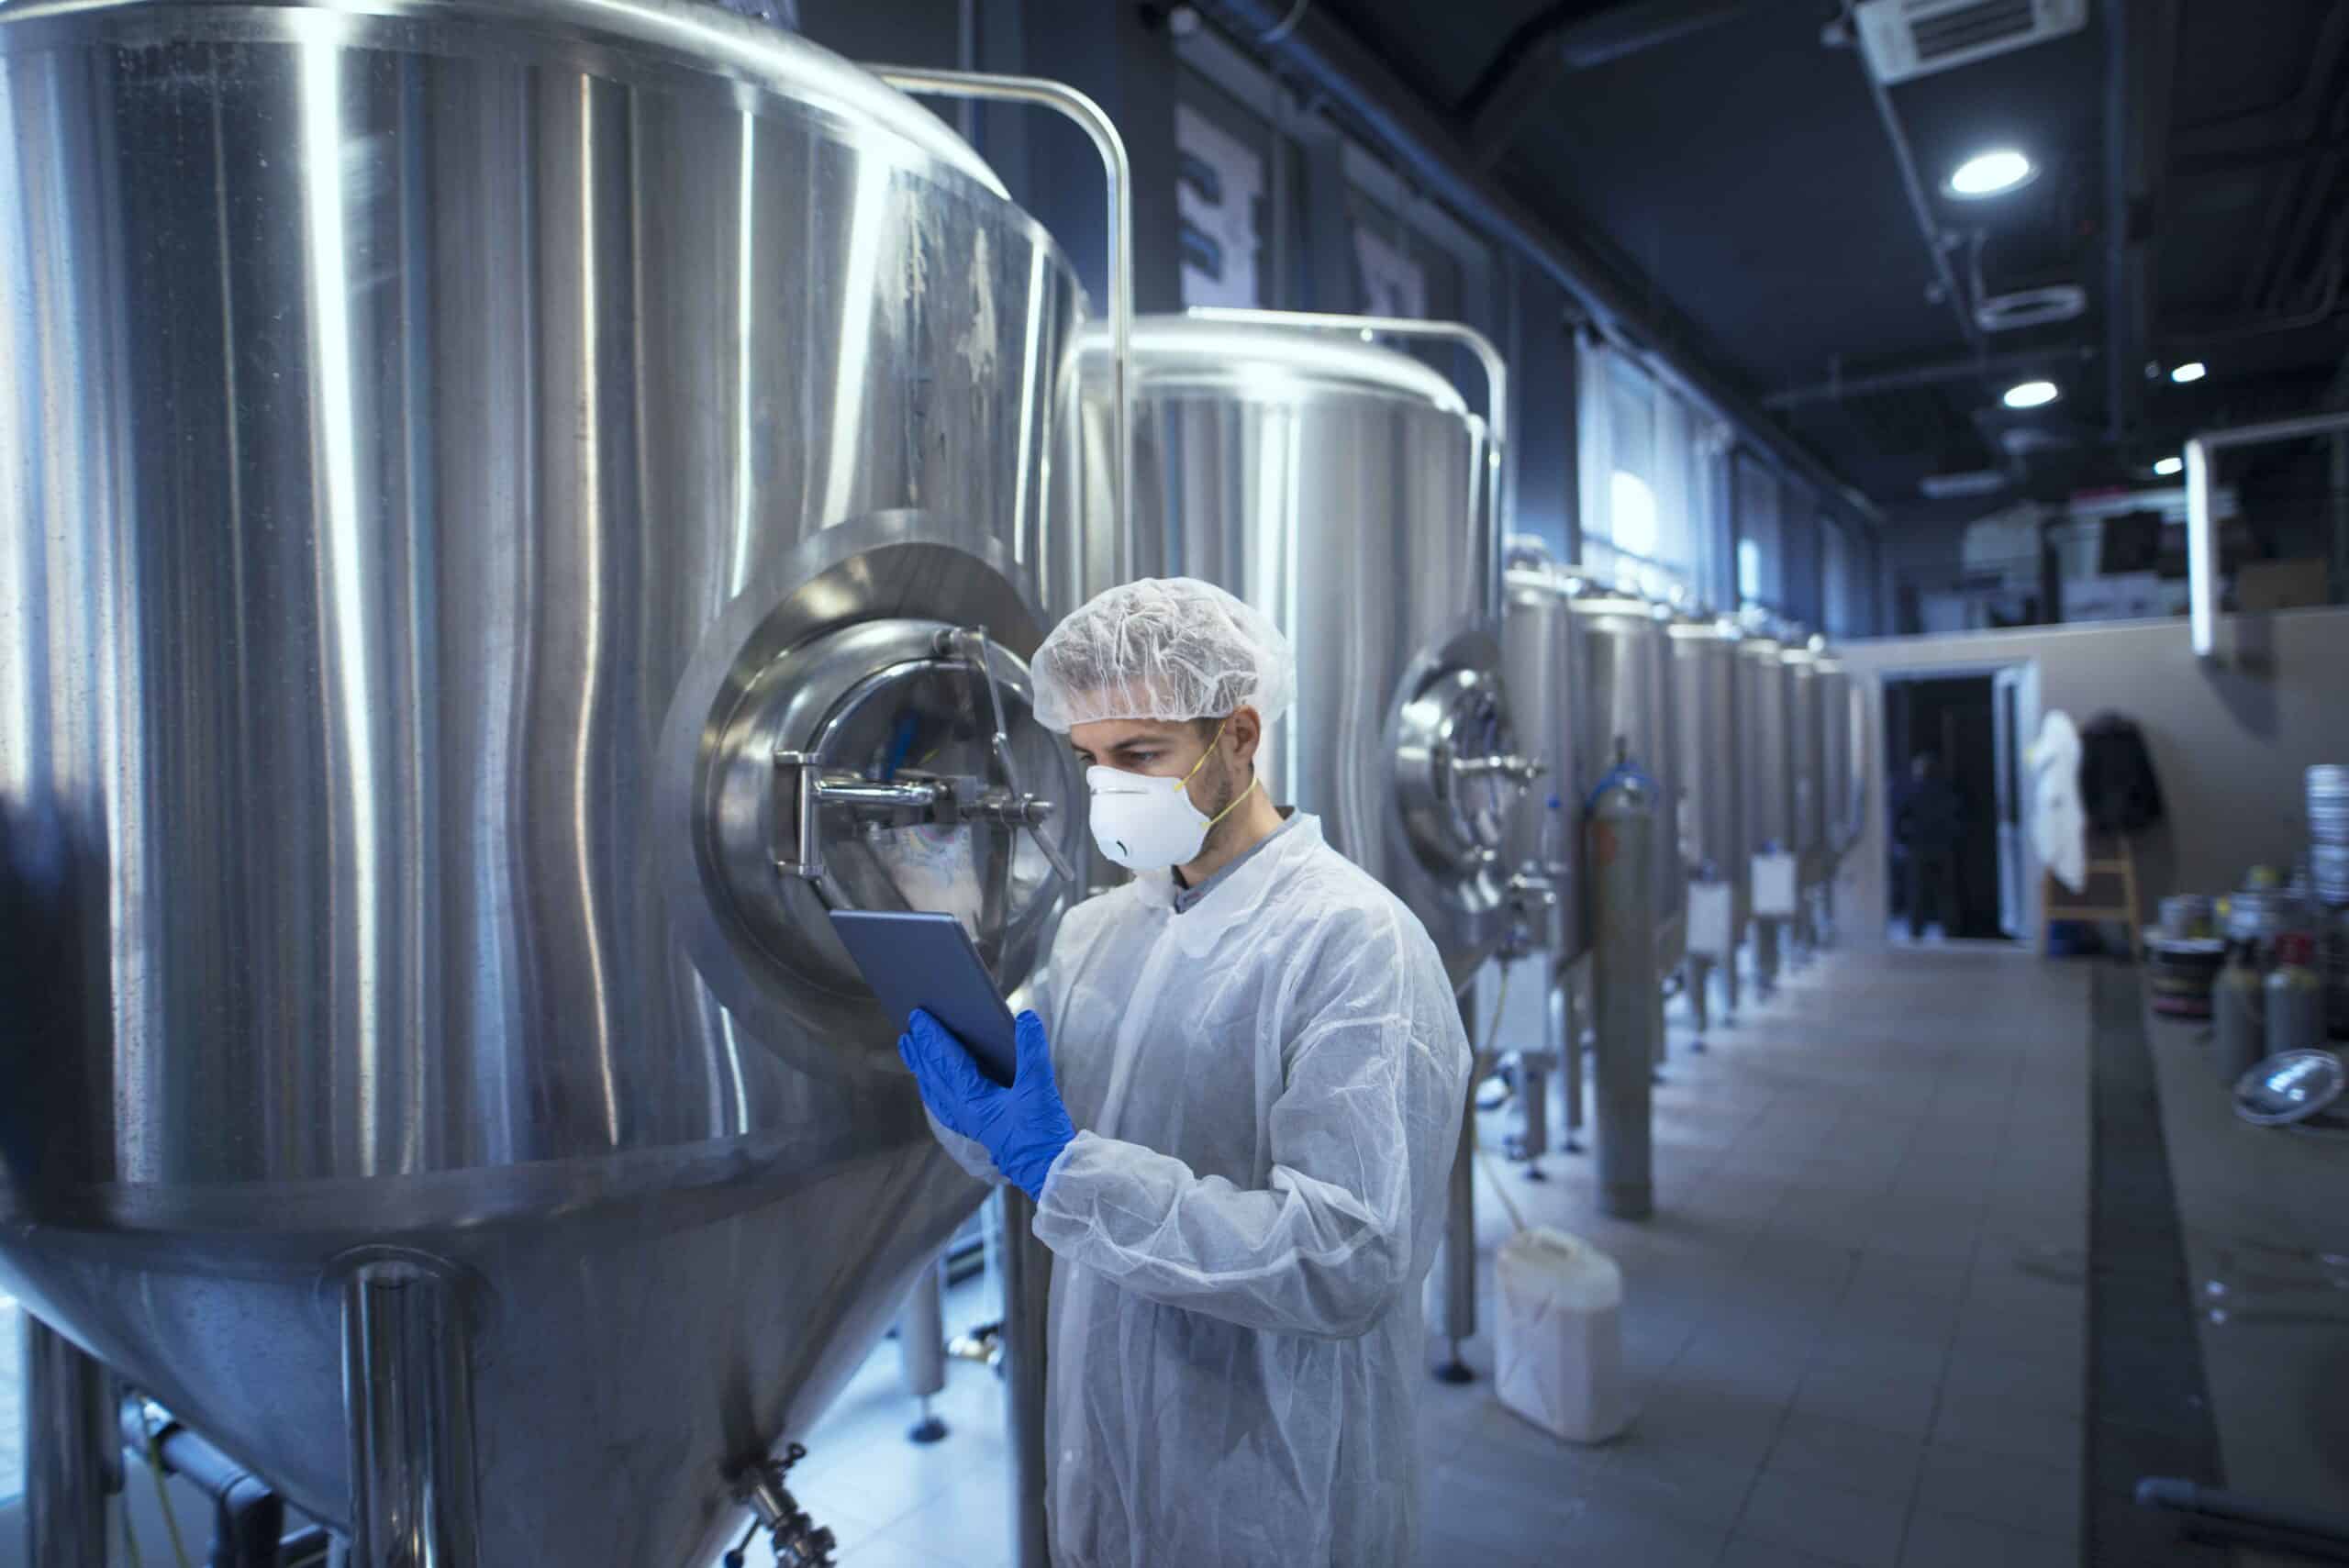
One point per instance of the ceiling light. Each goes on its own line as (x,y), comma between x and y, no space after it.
(2030,394)
(2192,369)
(1991,173)
(2169,465)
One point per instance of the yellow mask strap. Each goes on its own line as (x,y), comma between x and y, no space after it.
(1183,782)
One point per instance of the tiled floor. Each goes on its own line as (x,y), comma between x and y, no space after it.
(1853,1326)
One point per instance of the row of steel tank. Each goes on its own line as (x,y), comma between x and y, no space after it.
(1751,735)
(518,511)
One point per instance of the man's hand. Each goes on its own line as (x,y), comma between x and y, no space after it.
(1024,1128)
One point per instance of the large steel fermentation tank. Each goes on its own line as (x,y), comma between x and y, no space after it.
(1765,689)
(511,511)
(1346,490)
(1705,667)
(1840,722)
(1547,699)
(1807,737)
(1624,648)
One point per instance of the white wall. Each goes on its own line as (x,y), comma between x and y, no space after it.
(2229,742)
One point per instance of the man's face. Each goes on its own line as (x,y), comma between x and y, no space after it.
(1170,748)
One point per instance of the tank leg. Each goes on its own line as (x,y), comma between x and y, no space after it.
(921,1348)
(1765,954)
(1026,1280)
(1700,975)
(1531,1140)
(408,1393)
(1571,1062)
(73,1452)
(1730,980)
(1656,1033)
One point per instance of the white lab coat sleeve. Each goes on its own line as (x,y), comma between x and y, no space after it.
(1360,1139)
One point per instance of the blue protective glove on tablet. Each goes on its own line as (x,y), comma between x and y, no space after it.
(1023,1128)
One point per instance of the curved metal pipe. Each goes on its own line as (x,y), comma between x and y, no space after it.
(1496,370)
(1039,93)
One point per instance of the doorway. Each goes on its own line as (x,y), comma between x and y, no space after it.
(1953,760)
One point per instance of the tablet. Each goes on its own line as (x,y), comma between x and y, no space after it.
(912,959)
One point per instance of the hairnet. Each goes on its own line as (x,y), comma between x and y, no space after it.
(1163,648)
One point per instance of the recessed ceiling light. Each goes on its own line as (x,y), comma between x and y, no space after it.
(2030,394)
(2192,369)
(2170,465)
(1991,173)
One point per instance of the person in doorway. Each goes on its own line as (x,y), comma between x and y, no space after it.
(1929,824)
(1237,1099)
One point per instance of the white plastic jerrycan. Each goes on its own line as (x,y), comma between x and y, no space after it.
(1558,1343)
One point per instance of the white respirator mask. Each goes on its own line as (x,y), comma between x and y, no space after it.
(1145,823)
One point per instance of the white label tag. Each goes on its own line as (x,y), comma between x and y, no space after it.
(1710,905)
(1774,886)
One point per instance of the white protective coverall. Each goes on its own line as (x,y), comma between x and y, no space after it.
(1268,1088)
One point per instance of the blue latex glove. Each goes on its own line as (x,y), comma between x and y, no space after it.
(1023,1128)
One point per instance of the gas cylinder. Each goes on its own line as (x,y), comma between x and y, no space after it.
(2238,1027)
(1620,824)
(2295,996)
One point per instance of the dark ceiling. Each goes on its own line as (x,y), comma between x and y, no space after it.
(1736,160)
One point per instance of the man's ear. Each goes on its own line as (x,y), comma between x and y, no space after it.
(1245,733)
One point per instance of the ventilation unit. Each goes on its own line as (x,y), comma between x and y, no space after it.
(1902,38)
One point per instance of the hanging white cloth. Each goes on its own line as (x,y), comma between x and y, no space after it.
(2058,822)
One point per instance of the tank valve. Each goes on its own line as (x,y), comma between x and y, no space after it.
(796,1541)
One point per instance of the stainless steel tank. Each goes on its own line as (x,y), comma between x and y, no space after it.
(1705,667)
(1345,490)
(1625,655)
(1765,693)
(503,502)
(1806,736)
(1547,699)
(1840,740)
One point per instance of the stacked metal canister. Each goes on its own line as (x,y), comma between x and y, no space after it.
(2328,805)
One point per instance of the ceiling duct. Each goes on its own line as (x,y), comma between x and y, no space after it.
(2029,307)
(1947,486)
(1903,38)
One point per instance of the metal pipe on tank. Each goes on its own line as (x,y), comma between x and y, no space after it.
(73,1456)
(1488,357)
(408,1383)
(1062,99)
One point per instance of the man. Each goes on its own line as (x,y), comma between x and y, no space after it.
(1929,824)
(1237,1099)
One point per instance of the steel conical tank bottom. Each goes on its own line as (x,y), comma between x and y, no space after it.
(626,1356)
